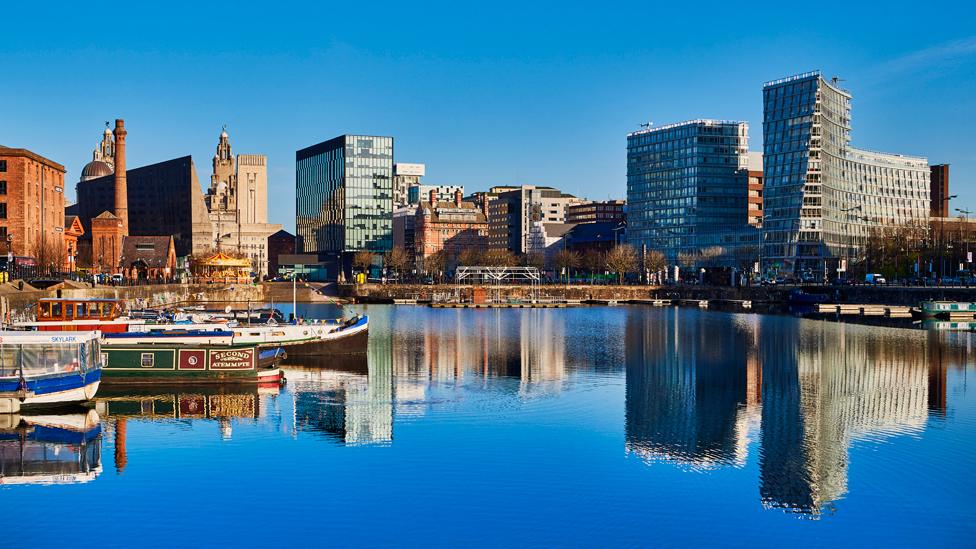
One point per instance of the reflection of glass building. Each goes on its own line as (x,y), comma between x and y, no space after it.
(688,398)
(822,196)
(825,385)
(344,197)
(699,385)
(687,187)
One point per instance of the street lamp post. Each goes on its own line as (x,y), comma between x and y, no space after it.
(964,234)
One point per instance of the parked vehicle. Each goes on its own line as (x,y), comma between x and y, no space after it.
(875,278)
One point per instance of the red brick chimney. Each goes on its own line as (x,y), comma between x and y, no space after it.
(433,197)
(457,198)
(121,189)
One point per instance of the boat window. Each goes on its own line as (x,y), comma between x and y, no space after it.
(44,310)
(92,310)
(9,360)
(79,310)
(148,360)
(69,311)
(56,309)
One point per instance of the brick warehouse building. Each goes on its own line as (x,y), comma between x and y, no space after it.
(449,226)
(32,208)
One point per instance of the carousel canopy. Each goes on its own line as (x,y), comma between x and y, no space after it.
(223,260)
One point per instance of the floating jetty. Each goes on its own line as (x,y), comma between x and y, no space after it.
(526,305)
(889,311)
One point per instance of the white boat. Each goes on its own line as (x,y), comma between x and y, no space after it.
(308,337)
(40,369)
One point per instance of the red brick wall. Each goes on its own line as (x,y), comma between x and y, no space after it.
(34,209)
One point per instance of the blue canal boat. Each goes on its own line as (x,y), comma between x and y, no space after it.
(44,369)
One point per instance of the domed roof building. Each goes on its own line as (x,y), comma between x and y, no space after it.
(103,158)
(96,168)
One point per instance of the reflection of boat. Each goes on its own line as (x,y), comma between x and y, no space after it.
(50,449)
(355,363)
(949,310)
(48,368)
(950,325)
(169,358)
(180,402)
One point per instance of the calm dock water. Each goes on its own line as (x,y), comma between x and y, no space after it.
(595,426)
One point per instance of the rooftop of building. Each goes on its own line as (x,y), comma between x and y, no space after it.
(330,144)
(696,122)
(833,82)
(601,231)
(13,151)
(447,208)
(555,230)
(153,250)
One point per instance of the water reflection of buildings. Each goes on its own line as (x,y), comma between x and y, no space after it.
(454,346)
(691,399)
(50,449)
(348,400)
(699,384)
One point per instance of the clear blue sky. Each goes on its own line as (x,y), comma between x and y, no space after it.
(493,93)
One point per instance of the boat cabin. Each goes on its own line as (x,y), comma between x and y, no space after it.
(79,314)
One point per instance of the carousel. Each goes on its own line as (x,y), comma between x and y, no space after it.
(221,267)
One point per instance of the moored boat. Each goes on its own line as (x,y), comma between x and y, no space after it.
(74,315)
(185,357)
(45,369)
(348,337)
(948,310)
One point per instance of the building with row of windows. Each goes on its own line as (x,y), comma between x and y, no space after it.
(32,220)
(344,199)
(821,195)
(687,187)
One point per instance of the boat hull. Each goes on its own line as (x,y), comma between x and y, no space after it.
(348,340)
(48,391)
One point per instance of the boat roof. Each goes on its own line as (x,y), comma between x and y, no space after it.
(100,299)
(13,337)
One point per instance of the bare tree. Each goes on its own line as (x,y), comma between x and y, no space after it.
(595,262)
(535,259)
(362,260)
(434,263)
(397,260)
(622,259)
(499,258)
(655,261)
(470,257)
(566,260)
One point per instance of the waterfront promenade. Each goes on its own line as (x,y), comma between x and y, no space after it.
(865,294)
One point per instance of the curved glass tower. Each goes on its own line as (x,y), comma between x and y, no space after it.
(822,196)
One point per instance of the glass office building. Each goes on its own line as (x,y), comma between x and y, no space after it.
(822,196)
(344,196)
(687,187)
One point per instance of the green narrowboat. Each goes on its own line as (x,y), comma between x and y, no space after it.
(155,358)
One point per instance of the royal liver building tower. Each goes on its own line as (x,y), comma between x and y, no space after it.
(822,196)
(237,202)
